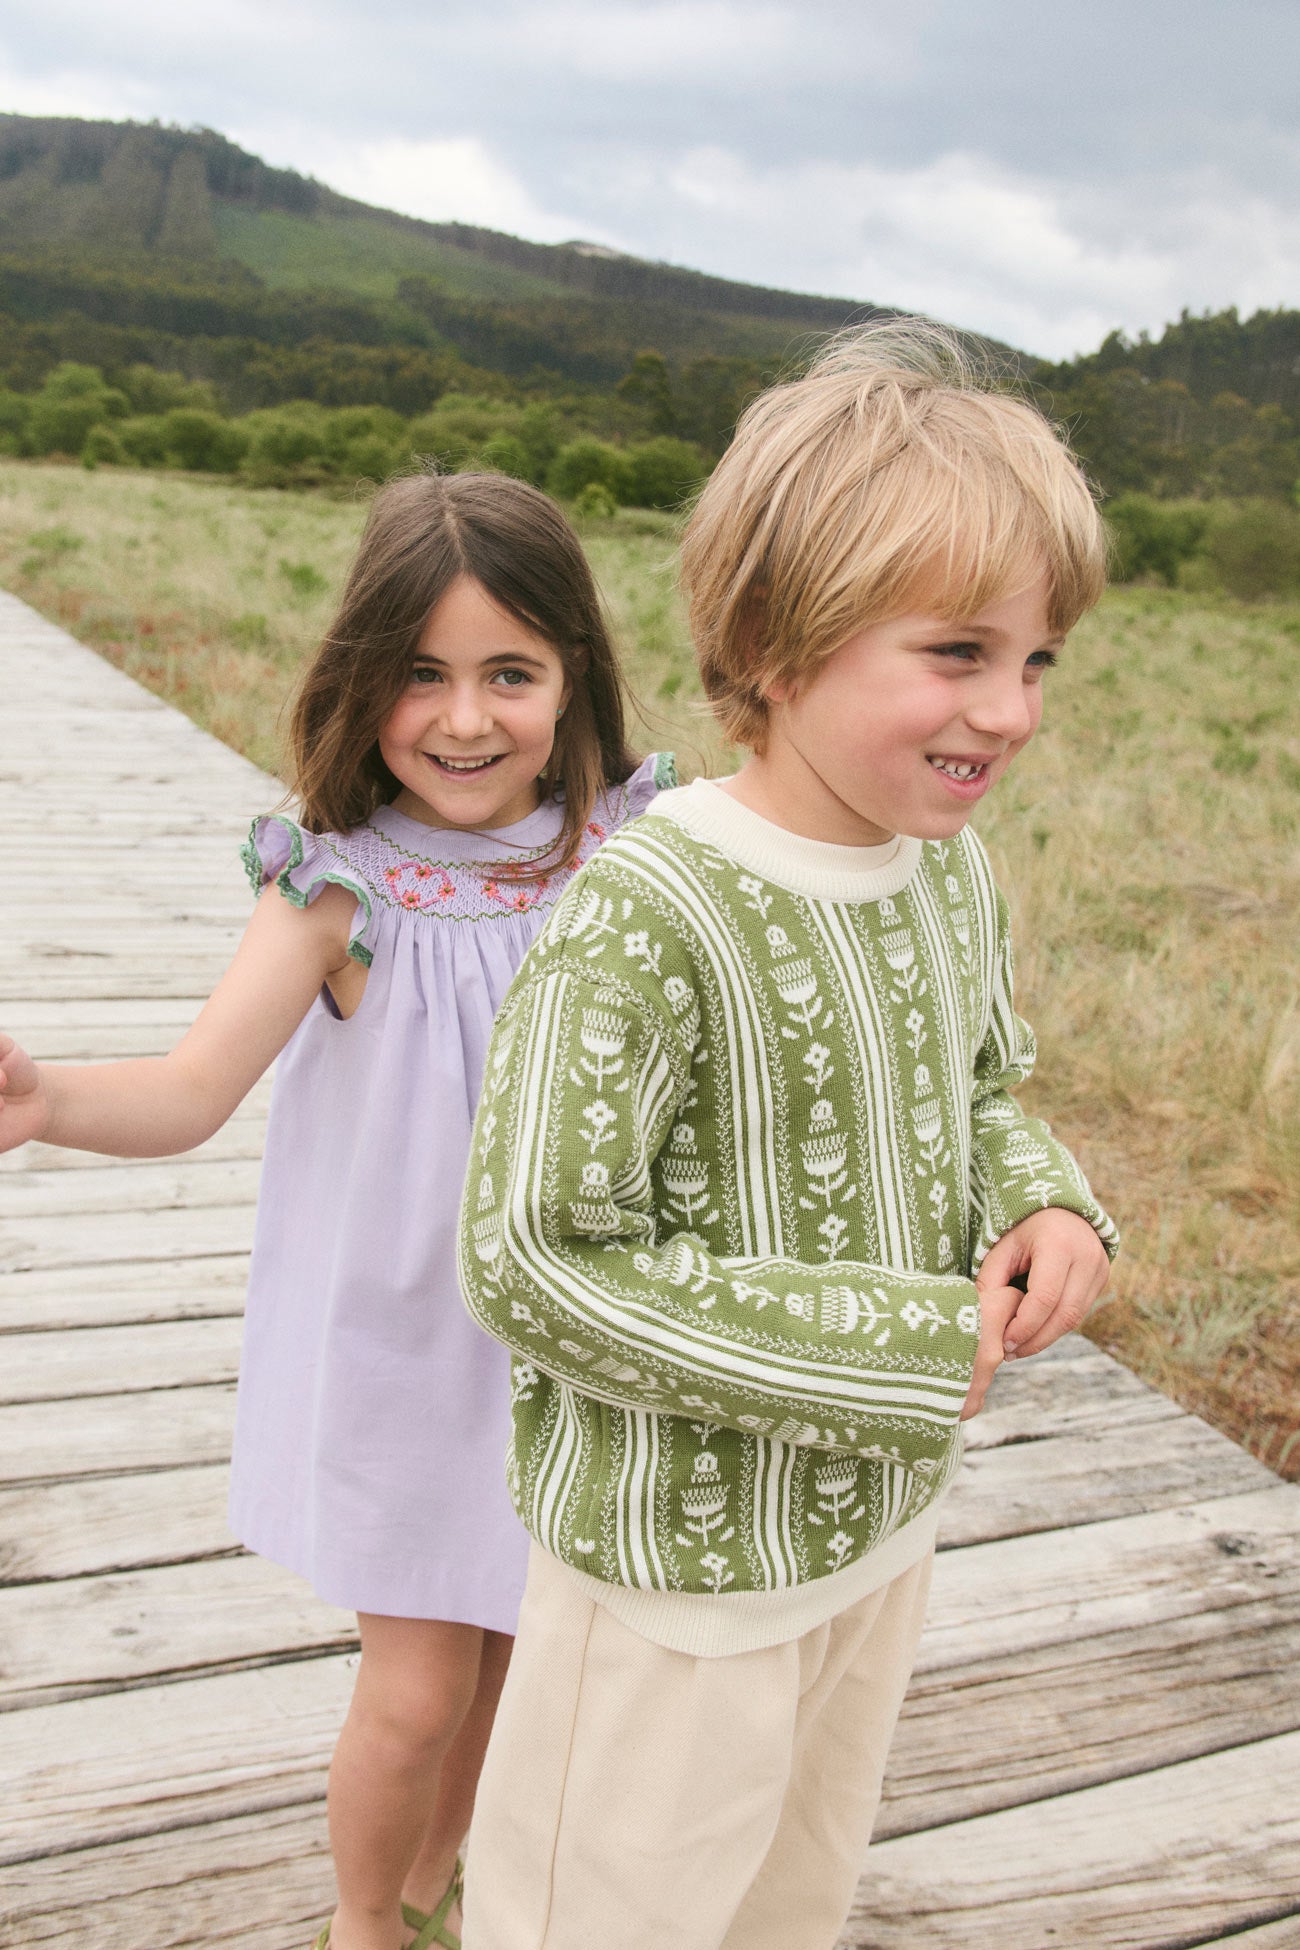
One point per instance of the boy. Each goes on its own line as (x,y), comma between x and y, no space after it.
(745,1141)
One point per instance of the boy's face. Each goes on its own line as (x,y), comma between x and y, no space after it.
(905,726)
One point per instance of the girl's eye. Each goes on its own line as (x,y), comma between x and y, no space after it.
(424,674)
(514,680)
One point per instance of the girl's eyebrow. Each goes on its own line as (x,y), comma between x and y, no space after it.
(496,657)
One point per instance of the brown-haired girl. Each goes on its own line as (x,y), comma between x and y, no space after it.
(459,751)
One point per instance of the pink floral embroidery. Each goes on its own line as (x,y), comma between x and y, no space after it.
(516,899)
(419,899)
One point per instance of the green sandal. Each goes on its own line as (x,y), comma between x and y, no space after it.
(433,1929)
(429,1930)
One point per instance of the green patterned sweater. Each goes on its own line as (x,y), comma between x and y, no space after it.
(745,1136)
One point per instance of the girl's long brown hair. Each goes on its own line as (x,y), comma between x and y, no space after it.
(424,531)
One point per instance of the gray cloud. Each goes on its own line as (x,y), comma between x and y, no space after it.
(1040,173)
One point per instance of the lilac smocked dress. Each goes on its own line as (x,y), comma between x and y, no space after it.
(373,1415)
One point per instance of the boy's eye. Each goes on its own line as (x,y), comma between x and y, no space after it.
(959,652)
(1042,660)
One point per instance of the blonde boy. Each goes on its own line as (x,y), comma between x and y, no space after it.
(745,1144)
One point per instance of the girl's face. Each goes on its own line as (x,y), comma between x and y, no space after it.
(475,726)
(905,726)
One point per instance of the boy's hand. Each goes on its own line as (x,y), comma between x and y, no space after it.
(997,1305)
(1063,1267)
(24,1101)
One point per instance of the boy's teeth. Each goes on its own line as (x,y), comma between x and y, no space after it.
(955,770)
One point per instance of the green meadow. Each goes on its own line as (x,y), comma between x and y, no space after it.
(1149,842)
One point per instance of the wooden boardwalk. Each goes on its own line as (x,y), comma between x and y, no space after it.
(1101,1746)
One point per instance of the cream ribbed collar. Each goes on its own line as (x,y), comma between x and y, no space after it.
(810,867)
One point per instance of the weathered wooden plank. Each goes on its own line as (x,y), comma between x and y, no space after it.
(91,1771)
(91,1635)
(1086,1478)
(107,1434)
(1028,1397)
(1092,1709)
(74,978)
(131,1290)
(1015,1596)
(112,1523)
(95,1239)
(135,1185)
(1157,1862)
(1284,1934)
(260,1882)
(80,1361)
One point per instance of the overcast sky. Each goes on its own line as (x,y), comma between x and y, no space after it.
(1041,172)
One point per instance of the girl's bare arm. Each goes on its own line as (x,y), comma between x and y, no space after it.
(154,1106)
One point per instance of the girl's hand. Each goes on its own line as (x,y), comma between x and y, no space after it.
(1062,1265)
(997,1305)
(24,1100)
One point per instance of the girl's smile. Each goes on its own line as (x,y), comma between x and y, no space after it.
(475,727)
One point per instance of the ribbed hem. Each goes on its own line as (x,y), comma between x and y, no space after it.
(810,867)
(746,1621)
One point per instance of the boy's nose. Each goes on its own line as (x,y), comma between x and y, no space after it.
(1005,708)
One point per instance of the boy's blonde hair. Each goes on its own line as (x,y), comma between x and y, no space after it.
(889,480)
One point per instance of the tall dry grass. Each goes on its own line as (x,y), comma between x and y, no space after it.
(1149,842)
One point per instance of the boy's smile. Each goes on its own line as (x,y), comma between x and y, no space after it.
(904,726)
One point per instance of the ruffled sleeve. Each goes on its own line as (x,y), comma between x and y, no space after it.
(300,864)
(653,775)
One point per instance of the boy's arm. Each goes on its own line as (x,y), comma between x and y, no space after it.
(585,1082)
(1036,1216)
(153,1107)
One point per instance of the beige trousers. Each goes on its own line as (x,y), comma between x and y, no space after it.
(635,1798)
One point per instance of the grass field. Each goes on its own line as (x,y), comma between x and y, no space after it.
(1149,842)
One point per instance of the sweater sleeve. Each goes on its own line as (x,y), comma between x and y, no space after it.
(1017,1166)
(586,1080)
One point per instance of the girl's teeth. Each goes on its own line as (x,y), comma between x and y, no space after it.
(464,764)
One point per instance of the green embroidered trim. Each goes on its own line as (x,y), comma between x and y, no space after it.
(251,857)
(665,772)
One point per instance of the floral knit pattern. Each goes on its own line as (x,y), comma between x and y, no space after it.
(738,1156)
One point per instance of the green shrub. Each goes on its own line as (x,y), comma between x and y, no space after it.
(284,438)
(1152,537)
(73,399)
(15,411)
(505,454)
(103,448)
(203,442)
(455,430)
(144,439)
(539,432)
(1254,548)
(663,472)
(595,503)
(584,461)
(151,391)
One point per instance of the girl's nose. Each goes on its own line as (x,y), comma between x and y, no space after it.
(465,715)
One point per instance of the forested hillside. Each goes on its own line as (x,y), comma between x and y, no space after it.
(130,249)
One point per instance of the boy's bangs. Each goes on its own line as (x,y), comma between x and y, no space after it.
(952,553)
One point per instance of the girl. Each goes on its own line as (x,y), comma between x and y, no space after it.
(458,750)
